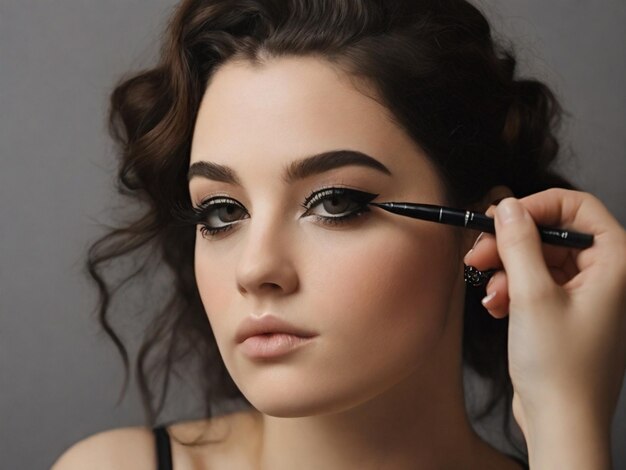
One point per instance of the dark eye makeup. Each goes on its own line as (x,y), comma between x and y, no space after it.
(221,209)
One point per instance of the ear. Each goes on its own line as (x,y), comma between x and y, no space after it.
(493,196)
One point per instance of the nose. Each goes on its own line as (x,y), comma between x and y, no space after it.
(265,266)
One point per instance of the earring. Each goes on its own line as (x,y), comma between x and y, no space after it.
(476,278)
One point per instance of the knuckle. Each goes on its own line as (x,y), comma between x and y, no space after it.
(555,191)
(518,237)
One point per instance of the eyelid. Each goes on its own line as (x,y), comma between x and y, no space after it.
(366,196)
(315,192)
(312,194)
(358,196)
(203,202)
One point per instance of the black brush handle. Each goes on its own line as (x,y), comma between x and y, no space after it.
(477,221)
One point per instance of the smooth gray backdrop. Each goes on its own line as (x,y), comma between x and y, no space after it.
(59,375)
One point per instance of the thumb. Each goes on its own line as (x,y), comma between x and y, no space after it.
(519,248)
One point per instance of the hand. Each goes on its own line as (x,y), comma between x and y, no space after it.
(566,306)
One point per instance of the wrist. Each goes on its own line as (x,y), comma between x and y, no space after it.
(569,437)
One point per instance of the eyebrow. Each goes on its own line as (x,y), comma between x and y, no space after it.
(296,170)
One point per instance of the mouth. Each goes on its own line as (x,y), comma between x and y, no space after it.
(271,345)
(269,325)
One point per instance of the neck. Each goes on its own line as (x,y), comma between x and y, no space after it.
(399,429)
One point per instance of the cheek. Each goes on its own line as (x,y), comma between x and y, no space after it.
(214,283)
(386,302)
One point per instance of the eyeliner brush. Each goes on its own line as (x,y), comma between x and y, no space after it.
(478,221)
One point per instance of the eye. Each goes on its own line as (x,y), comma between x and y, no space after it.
(221,214)
(216,210)
(346,201)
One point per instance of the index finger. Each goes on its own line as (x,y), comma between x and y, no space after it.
(583,212)
(567,208)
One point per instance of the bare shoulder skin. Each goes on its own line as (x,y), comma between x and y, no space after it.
(232,445)
(122,448)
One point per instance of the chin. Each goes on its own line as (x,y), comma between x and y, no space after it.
(288,403)
(282,401)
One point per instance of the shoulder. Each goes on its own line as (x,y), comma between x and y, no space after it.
(122,448)
(135,447)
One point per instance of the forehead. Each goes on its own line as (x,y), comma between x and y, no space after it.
(285,105)
(292,107)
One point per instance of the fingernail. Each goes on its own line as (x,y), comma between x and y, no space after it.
(490,281)
(488,298)
(472,248)
(509,210)
(477,240)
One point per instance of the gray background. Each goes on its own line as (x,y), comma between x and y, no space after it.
(60,376)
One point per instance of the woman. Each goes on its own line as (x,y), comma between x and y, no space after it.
(265,129)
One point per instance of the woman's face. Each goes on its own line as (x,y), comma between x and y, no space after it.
(376,289)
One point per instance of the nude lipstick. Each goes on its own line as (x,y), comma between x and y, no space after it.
(268,336)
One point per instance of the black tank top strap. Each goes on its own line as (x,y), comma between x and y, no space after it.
(163,448)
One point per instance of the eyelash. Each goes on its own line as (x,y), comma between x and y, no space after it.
(197,215)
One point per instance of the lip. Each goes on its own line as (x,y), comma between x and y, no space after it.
(272,345)
(268,324)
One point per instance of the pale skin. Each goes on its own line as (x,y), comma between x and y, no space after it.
(381,385)
(322,409)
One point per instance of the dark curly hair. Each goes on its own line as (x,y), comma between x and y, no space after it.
(433,63)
